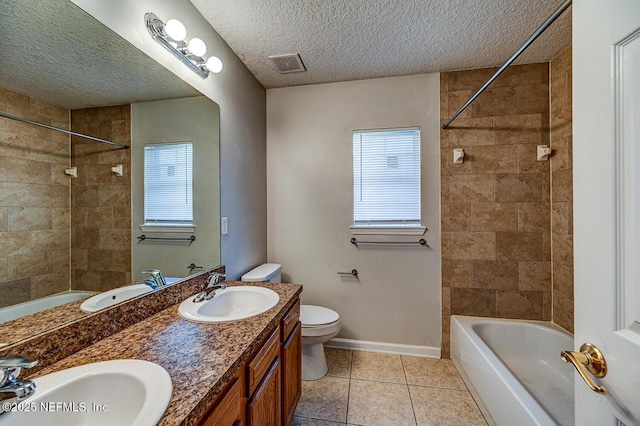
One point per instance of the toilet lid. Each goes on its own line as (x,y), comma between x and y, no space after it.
(311,315)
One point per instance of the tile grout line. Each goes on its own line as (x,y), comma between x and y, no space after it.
(346,419)
(404,371)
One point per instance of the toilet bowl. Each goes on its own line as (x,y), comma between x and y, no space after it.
(319,325)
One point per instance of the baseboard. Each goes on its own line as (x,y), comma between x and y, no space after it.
(385,348)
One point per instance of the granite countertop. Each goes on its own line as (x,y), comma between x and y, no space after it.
(200,358)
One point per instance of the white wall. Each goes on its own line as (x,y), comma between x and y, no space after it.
(242,118)
(178,120)
(310,206)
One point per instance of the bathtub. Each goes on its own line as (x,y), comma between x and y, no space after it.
(513,369)
(37,305)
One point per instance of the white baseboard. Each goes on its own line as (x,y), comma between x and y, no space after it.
(385,348)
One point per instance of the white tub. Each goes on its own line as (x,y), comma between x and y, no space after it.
(37,305)
(513,369)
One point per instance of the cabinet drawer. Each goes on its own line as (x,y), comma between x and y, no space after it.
(290,320)
(259,365)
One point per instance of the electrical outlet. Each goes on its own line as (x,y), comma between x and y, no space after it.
(224,227)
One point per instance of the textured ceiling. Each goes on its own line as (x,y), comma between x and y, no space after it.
(54,51)
(341,40)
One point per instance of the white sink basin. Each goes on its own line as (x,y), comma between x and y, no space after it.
(119,392)
(231,304)
(112,297)
(115,296)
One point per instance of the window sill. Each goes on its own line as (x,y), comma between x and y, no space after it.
(388,230)
(168,227)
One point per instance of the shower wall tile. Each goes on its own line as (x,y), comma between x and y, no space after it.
(34,200)
(101,253)
(495,208)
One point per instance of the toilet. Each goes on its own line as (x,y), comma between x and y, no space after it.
(319,324)
(268,272)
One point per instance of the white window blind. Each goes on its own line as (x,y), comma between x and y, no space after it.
(168,183)
(386,177)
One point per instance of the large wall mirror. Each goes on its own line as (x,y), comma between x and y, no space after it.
(64,237)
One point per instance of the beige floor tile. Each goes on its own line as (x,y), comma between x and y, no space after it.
(339,362)
(379,404)
(445,407)
(439,373)
(324,399)
(379,367)
(303,421)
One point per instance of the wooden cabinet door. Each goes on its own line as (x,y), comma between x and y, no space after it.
(264,407)
(229,410)
(291,374)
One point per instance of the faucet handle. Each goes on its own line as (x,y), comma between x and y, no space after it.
(17,362)
(215,278)
(10,367)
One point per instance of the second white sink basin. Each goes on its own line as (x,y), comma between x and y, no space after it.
(119,392)
(231,304)
(117,295)
(112,297)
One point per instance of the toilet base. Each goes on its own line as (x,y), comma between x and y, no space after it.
(314,362)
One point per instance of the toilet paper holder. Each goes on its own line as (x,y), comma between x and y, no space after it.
(353,273)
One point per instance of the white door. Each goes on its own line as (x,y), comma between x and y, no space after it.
(606,154)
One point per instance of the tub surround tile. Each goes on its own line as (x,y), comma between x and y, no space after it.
(324,399)
(379,404)
(380,367)
(519,304)
(478,302)
(443,407)
(495,274)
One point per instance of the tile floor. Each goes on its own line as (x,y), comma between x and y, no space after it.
(364,388)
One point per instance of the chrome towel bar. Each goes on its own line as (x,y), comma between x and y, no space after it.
(421,242)
(190,239)
(353,273)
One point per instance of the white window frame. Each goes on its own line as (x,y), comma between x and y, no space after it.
(387,228)
(168,225)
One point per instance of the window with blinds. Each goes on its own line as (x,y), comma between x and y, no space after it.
(386,178)
(168,183)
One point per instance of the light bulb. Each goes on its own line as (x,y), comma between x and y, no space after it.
(197,47)
(175,29)
(214,64)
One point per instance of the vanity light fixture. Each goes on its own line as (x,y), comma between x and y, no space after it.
(172,37)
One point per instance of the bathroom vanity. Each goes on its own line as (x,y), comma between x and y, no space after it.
(266,388)
(247,370)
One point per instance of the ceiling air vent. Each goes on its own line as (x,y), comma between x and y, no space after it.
(288,63)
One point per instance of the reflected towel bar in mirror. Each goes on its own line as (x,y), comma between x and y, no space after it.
(190,239)
(421,242)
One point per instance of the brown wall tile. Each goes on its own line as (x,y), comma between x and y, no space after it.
(519,246)
(457,273)
(456,217)
(519,304)
(494,217)
(467,188)
(519,188)
(469,245)
(534,276)
(473,301)
(497,274)
(534,217)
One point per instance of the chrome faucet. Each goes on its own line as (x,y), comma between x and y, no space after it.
(14,391)
(215,281)
(156,280)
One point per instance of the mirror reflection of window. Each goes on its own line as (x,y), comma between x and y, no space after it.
(168,183)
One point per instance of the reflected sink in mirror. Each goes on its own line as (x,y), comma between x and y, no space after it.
(118,392)
(231,304)
(115,296)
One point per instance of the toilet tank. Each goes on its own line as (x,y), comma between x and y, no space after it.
(269,272)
